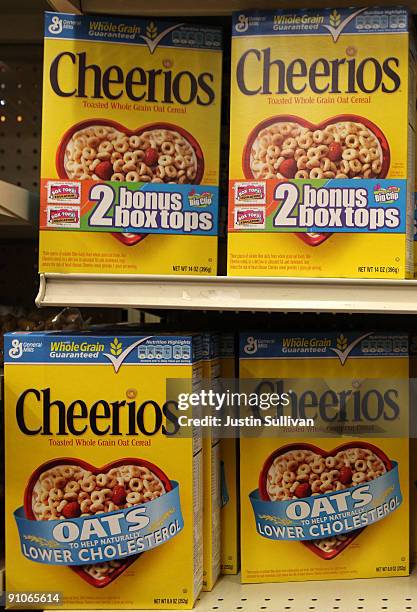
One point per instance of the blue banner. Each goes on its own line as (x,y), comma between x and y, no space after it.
(102,537)
(327,21)
(370,205)
(330,514)
(86,348)
(323,206)
(333,345)
(152,209)
(144,32)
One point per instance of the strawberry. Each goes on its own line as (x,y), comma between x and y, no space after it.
(151,157)
(71,510)
(303,490)
(335,151)
(104,170)
(118,496)
(288,168)
(345,475)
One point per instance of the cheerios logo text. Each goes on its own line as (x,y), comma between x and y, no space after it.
(336,406)
(39,412)
(336,75)
(138,84)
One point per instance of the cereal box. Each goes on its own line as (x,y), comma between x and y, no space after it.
(324,502)
(229,476)
(107,505)
(129,177)
(415,206)
(319,97)
(211,472)
(413,446)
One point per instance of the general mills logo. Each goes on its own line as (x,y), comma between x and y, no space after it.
(251,345)
(17,349)
(55,27)
(242,23)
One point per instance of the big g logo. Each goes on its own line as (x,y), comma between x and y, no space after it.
(55,27)
(251,346)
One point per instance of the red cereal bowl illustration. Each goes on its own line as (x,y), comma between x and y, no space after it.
(101,149)
(75,487)
(340,147)
(344,464)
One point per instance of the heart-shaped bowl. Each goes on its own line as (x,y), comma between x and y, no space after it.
(27,503)
(317,238)
(60,153)
(386,155)
(127,239)
(263,493)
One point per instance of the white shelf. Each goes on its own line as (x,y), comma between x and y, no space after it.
(18,209)
(206,7)
(228,293)
(390,594)
(374,595)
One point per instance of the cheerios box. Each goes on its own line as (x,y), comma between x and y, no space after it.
(107,504)
(320,97)
(415,202)
(129,177)
(229,471)
(325,480)
(413,446)
(211,470)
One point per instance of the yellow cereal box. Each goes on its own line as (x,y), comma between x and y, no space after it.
(413,448)
(229,476)
(129,177)
(106,508)
(415,205)
(319,97)
(323,502)
(211,472)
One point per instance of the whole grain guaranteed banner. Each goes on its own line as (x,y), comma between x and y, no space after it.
(129,177)
(318,98)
